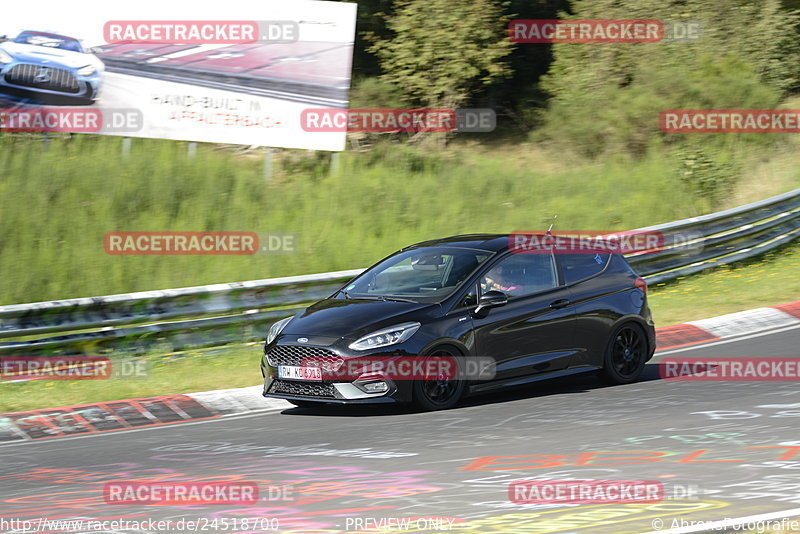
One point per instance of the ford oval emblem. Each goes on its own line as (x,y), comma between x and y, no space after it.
(302,340)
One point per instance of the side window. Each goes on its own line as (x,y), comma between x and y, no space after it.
(521,274)
(580,266)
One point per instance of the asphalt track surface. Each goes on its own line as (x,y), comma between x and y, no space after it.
(350,468)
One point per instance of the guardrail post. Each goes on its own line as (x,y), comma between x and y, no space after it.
(269,152)
(334,169)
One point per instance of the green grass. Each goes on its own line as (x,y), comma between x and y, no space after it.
(59,202)
(60,199)
(771,279)
(168,375)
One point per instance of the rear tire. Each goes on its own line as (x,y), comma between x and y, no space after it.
(442,393)
(626,354)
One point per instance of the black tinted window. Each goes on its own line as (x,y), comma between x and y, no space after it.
(422,272)
(579,266)
(521,274)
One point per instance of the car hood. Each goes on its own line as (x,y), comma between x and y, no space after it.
(42,55)
(353,318)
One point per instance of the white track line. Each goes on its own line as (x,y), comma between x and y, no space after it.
(706,526)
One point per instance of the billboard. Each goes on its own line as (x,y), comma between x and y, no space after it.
(177,70)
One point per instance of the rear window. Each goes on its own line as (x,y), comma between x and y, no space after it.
(579,266)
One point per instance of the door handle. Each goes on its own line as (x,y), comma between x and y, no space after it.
(560,303)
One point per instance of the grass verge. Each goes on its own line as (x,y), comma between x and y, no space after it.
(168,374)
(770,279)
(62,198)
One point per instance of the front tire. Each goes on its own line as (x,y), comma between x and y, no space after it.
(441,393)
(626,354)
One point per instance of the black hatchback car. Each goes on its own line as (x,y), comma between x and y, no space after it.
(471,297)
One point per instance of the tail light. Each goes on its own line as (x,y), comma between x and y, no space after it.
(640,283)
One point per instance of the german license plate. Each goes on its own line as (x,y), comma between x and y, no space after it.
(295,372)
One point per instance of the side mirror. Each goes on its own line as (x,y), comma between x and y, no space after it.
(491,299)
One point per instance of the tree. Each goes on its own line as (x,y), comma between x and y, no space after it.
(607,97)
(443,51)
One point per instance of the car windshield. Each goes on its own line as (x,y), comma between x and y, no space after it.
(424,273)
(49,41)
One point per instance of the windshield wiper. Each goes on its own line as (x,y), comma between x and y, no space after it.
(396,299)
(345,293)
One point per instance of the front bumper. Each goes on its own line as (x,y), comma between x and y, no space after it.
(64,82)
(327,391)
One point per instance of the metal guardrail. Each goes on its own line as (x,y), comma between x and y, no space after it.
(130,308)
(690,245)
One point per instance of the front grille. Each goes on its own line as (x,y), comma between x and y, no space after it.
(302,389)
(307,356)
(40,77)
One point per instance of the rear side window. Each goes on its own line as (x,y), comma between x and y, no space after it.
(579,266)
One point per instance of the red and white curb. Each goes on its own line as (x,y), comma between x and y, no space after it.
(238,400)
(130,414)
(100,417)
(728,326)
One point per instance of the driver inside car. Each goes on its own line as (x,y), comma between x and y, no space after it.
(499,279)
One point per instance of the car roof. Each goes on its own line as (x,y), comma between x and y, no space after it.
(47,34)
(487,242)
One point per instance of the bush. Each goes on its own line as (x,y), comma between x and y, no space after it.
(608,97)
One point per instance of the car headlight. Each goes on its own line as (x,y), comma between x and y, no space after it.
(88,70)
(385,337)
(5,57)
(276,329)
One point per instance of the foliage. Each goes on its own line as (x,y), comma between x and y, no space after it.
(608,97)
(442,51)
(60,201)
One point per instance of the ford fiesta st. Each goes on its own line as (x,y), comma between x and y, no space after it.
(462,299)
(49,64)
